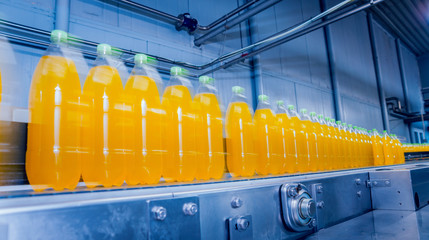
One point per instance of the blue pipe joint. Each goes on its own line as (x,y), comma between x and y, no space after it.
(187,23)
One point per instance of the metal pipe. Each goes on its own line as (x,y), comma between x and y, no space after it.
(381,95)
(231,23)
(162,15)
(227,16)
(294,36)
(62,14)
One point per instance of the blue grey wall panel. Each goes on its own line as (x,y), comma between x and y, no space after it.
(362,114)
(278,89)
(424,70)
(37,13)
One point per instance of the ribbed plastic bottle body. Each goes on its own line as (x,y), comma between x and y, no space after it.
(336,147)
(211,160)
(267,148)
(103,128)
(287,138)
(143,123)
(329,146)
(347,150)
(301,142)
(313,160)
(239,126)
(341,147)
(321,145)
(387,150)
(350,148)
(376,147)
(53,144)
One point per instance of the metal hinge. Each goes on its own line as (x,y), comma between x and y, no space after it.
(378,183)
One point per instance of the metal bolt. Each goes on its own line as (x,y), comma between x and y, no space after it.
(375,183)
(319,189)
(242,224)
(358,181)
(387,182)
(236,202)
(190,209)
(159,213)
(291,192)
(321,204)
(359,193)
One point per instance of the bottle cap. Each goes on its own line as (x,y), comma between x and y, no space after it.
(290,107)
(344,124)
(206,80)
(349,125)
(263,98)
(320,116)
(384,131)
(178,71)
(104,49)
(327,119)
(313,114)
(58,36)
(303,111)
(338,122)
(141,58)
(355,127)
(280,103)
(237,89)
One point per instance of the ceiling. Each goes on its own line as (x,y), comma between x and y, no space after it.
(409,20)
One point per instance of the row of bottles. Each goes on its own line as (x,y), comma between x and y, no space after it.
(416,147)
(110,135)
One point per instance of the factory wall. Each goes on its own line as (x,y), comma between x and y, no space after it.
(298,72)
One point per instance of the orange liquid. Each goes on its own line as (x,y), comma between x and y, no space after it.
(143,125)
(287,139)
(341,149)
(377,150)
(336,148)
(329,146)
(266,145)
(52,158)
(241,157)
(370,153)
(102,128)
(211,158)
(180,126)
(387,150)
(350,150)
(302,145)
(321,146)
(401,159)
(312,146)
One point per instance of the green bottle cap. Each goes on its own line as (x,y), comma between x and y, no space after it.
(206,80)
(178,71)
(313,114)
(263,98)
(344,124)
(354,127)
(384,131)
(320,116)
(237,89)
(338,122)
(327,119)
(291,107)
(349,125)
(369,131)
(58,36)
(141,58)
(280,103)
(104,49)
(303,111)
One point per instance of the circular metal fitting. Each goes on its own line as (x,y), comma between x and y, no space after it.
(242,224)
(236,202)
(307,208)
(292,192)
(159,213)
(190,209)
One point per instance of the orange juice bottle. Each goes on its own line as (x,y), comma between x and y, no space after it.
(180,164)
(313,160)
(341,144)
(324,148)
(335,144)
(143,119)
(267,148)
(102,124)
(347,146)
(369,148)
(301,140)
(287,139)
(358,147)
(329,146)
(321,142)
(394,149)
(52,158)
(239,128)
(211,161)
(377,148)
(387,149)
(400,157)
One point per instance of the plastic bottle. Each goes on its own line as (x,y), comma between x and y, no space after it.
(355,146)
(180,164)
(347,146)
(329,147)
(241,157)
(52,158)
(341,144)
(332,143)
(387,149)
(401,156)
(287,139)
(143,123)
(267,148)
(321,142)
(211,162)
(102,125)
(313,162)
(301,140)
(369,147)
(335,143)
(394,149)
(377,148)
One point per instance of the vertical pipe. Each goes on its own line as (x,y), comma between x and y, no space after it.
(62,15)
(404,85)
(331,61)
(381,95)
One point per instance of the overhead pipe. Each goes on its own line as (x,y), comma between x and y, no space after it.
(231,23)
(290,36)
(381,95)
(62,14)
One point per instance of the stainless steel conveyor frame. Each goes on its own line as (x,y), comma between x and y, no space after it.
(278,207)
